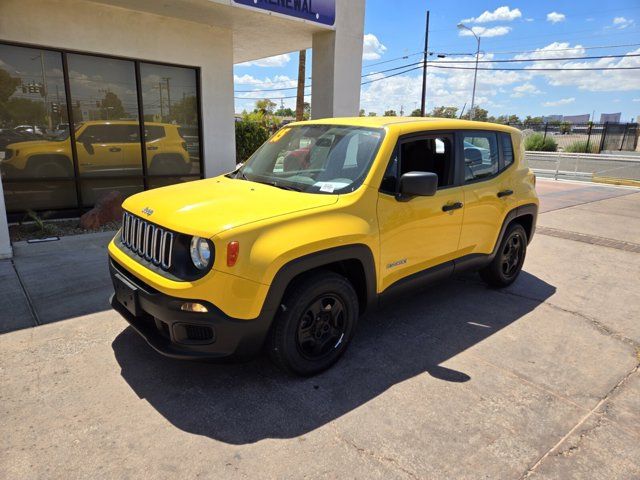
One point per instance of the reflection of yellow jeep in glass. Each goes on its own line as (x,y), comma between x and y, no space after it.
(103,148)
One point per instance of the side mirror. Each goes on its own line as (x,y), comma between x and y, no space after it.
(418,184)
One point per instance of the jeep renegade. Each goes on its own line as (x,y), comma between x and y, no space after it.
(326,219)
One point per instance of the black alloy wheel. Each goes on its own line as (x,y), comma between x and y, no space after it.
(507,264)
(511,253)
(315,323)
(322,327)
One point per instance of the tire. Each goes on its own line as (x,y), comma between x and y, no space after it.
(168,165)
(315,323)
(507,264)
(49,167)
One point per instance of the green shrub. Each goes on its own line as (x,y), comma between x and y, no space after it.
(580,146)
(251,131)
(538,143)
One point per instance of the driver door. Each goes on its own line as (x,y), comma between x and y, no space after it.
(97,152)
(421,232)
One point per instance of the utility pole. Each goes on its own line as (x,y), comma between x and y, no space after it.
(166,79)
(424,68)
(302,67)
(161,101)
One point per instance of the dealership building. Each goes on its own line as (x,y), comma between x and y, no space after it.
(127,95)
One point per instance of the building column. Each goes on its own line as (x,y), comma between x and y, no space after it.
(5,244)
(337,63)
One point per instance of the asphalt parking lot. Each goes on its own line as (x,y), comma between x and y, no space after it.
(537,381)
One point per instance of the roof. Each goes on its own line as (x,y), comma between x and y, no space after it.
(428,123)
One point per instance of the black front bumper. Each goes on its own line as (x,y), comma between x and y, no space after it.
(185,335)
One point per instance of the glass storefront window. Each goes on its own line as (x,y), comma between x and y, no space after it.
(170,106)
(34,128)
(105,113)
(42,170)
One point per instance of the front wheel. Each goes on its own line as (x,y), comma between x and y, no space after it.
(507,264)
(315,323)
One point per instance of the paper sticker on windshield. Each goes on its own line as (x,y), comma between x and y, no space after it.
(279,134)
(328,188)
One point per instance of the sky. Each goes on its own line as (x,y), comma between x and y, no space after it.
(508,30)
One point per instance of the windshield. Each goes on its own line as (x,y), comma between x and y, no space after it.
(324,159)
(64,133)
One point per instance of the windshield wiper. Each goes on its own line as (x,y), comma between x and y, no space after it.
(241,174)
(283,187)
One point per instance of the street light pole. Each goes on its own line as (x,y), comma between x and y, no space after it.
(472,112)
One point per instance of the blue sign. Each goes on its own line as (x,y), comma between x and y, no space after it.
(320,11)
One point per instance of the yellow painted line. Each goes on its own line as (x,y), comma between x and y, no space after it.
(617,181)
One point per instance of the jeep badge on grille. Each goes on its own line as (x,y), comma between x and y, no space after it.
(147,211)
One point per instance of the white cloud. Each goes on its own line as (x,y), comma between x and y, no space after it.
(276,61)
(373,49)
(555,17)
(636,100)
(486,32)
(280,81)
(562,101)
(500,14)
(525,89)
(589,80)
(622,23)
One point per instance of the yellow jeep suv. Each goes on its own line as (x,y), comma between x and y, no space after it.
(324,221)
(103,147)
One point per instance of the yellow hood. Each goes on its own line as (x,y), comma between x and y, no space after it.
(208,207)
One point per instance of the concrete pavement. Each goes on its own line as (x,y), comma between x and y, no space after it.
(537,381)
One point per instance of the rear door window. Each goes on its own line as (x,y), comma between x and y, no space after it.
(481,158)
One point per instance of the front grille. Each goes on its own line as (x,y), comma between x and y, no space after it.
(147,240)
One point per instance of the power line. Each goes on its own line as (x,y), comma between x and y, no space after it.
(593,57)
(551,50)
(535,69)
(363,83)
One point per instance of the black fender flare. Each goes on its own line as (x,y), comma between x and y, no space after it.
(292,269)
(521,211)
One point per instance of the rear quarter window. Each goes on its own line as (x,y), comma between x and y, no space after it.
(507,149)
(153,132)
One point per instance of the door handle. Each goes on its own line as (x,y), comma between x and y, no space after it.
(452,206)
(505,193)
(152,148)
(115,149)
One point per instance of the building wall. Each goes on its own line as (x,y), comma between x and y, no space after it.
(73,24)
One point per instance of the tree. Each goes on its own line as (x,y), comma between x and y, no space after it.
(444,112)
(416,113)
(390,113)
(302,69)
(185,111)
(373,114)
(307,111)
(8,85)
(479,114)
(23,110)
(362,112)
(111,107)
(285,112)
(265,106)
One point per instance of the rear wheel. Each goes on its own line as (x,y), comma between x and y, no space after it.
(168,165)
(507,264)
(315,324)
(49,166)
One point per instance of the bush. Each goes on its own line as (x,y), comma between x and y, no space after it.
(538,143)
(581,147)
(251,131)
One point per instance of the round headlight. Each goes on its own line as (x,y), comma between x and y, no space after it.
(200,253)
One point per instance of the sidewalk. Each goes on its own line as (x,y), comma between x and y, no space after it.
(536,381)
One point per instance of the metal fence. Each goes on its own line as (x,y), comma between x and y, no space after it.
(586,137)
(605,168)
